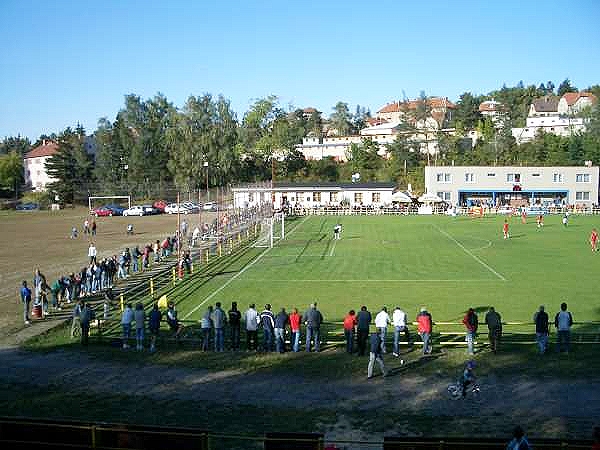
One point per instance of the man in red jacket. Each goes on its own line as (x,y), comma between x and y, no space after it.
(471,322)
(424,326)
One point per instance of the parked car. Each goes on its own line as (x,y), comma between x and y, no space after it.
(150,210)
(117,210)
(160,205)
(191,206)
(210,206)
(101,211)
(27,206)
(174,208)
(135,210)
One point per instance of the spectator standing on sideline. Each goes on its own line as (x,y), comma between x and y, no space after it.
(126,320)
(206,326)
(235,319)
(540,318)
(471,323)
(400,326)
(92,253)
(173,321)
(26,300)
(281,321)
(140,320)
(219,320)
(295,320)
(76,318)
(425,326)
(86,315)
(363,320)
(494,324)
(563,322)
(74,233)
(382,320)
(349,327)
(154,326)
(94,227)
(376,354)
(251,318)
(267,321)
(86,226)
(313,320)
(519,441)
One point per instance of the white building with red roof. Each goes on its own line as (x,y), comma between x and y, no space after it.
(572,103)
(34,164)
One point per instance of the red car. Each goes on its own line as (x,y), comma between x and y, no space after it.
(160,205)
(101,212)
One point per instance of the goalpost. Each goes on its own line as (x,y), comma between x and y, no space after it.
(271,229)
(90,199)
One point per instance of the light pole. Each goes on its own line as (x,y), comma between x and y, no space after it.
(207,191)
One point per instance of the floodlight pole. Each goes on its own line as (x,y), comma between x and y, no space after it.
(178,231)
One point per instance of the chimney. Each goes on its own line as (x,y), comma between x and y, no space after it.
(44,142)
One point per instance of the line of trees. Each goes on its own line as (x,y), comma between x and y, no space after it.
(152,146)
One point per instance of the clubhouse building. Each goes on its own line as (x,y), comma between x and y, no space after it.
(513,185)
(314,194)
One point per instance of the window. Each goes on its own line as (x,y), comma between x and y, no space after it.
(535,175)
(333,196)
(376,197)
(513,177)
(316,196)
(582,178)
(358,197)
(557,178)
(582,195)
(444,178)
(469,178)
(444,195)
(491,175)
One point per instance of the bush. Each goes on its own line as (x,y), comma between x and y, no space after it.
(44,199)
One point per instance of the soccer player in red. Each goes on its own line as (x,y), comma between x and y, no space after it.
(594,239)
(505,229)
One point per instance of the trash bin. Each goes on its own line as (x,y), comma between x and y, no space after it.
(36,311)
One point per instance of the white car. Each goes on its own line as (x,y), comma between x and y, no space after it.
(210,206)
(136,210)
(174,208)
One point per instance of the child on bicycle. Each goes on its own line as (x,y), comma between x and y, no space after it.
(467,378)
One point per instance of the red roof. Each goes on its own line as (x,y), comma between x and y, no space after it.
(372,121)
(434,102)
(488,106)
(48,148)
(572,97)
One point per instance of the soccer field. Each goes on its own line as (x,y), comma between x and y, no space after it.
(445,264)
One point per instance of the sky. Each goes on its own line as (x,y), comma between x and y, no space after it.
(66,62)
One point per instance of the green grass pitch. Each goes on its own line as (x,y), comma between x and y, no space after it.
(446,264)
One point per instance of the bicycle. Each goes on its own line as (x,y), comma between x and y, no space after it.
(455,390)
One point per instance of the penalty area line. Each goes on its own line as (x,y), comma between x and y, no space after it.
(233,278)
(468,252)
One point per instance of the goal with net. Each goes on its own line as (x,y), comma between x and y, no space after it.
(272,229)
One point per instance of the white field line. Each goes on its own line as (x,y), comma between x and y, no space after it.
(419,280)
(333,247)
(254,261)
(468,252)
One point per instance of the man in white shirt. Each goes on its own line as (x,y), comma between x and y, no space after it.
(92,253)
(400,326)
(382,319)
(252,319)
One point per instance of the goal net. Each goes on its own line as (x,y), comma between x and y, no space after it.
(95,201)
(272,229)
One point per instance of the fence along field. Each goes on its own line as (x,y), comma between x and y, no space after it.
(446,264)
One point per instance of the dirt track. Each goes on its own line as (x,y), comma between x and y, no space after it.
(546,407)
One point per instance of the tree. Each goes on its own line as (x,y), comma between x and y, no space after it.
(70,166)
(11,171)
(467,114)
(18,144)
(112,156)
(341,119)
(565,87)
(359,119)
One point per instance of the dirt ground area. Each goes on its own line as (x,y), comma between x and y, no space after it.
(42,239)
